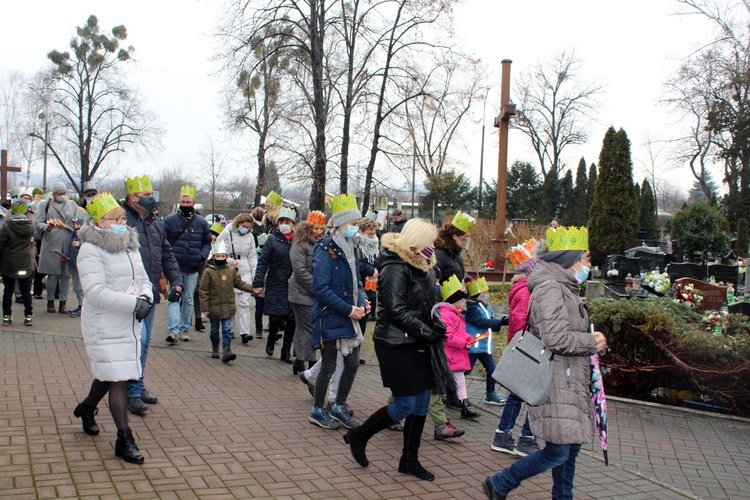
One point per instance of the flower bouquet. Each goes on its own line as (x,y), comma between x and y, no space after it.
(487,265)
(716,321)
(658,281)
(688,295)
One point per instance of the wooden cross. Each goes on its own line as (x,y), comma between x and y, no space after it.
(4,169)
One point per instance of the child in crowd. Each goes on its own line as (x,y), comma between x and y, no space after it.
(457,341)
(81,216)
(217,297)
(521,256)
(16,260)
(480,323)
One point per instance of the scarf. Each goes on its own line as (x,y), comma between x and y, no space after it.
(370,248)
(346,346)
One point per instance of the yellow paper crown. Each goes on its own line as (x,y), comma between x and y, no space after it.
(343,202)
(520,254)
(289,213)
(100,205)
(450,286)
(217,228)
(316,218)
(567,238)
(188,191)
(274,198)
(463,221)
(138,184)
(477,286)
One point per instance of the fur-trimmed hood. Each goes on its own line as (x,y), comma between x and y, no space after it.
(390,243)
(108,240)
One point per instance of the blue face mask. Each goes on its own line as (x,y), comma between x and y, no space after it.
(351,232)
(243,230)
(118,228)
(61,199)
(582,274)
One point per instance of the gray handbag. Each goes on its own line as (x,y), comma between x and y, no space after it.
(525,368)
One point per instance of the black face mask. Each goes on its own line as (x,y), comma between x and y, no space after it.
(220,262)
(149,203)
(187,211)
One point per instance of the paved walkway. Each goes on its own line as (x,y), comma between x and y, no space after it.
(241,431)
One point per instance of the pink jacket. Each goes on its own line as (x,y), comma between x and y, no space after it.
(518,304)
(456,338)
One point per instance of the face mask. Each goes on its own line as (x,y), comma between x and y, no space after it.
(187,211)
(285,228)
(220,262)
(582,274)
(148,202)
(118,228)
(427,252)
(89,199)
(61,199)
(243,230)
(467,244)
(351,232)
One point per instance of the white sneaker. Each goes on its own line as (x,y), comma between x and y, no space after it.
(184,336)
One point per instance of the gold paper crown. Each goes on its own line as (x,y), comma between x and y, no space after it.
(450,286)
(138,184)
(343,202)
(463,221)
(100,205)
(289,213)
(316,218)
(274,198)
(188,191)
(372,214)
(477,286)
(520,254)
(567,238)
(217,228)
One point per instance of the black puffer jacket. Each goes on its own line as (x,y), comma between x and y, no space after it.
(406,294)
(450,263)
(275,267)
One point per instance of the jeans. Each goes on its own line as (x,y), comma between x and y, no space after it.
(77,287)
(510,415)
(333,384)
(561,458)
(136,387)
(24,285)
(181,313)
(226,331)
(489,367)
(404,406)
(63,279)
(328,366)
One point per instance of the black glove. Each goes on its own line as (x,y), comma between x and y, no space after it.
(142,308)
(174,295)
(504,321)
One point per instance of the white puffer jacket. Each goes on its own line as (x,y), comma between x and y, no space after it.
(109,264)
(241,249)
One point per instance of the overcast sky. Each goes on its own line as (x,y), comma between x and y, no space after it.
(631,47)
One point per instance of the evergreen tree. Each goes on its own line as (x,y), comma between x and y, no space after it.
(613,217)
(489,200)
(551,197)
(647,212)
(700,227)
(743,238)
(590,188)
(523,193)
(449,191)
(566,199)
(579,212)
(697,193)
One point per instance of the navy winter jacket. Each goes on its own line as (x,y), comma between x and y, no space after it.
(479,318)
(334,292)
(191,248)
(272,272)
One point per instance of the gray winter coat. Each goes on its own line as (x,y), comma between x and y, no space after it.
(558,316)
(301,280)
(55,239)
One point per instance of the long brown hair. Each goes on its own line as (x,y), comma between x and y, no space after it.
(445,238)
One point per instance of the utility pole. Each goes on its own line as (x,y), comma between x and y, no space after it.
(502,121)
(413,176)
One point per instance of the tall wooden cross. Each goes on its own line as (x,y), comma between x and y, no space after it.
(4,169)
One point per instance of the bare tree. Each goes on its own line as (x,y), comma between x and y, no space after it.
(212,169)
(555,107)
(169,182)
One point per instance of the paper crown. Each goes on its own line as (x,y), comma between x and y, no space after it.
(19,206)
(451,286)
(138,184)
(188,191)
(477,286)
(89,186)
(274,198)
(521,254)
(217,228)
(262,239)
(100,205)
(567,238)
(289,213)
(463,221)
(220,247)
(316,218)
(81,215)
(343,202)
(372,214)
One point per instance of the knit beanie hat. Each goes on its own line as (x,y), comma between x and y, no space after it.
(58,186)
(564,258)
(344,209)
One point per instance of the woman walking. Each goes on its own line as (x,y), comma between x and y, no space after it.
(118,296)
(556,315)
(403,333)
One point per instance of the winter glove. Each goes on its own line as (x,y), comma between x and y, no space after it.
(142,308)
(504,321)
(174,295)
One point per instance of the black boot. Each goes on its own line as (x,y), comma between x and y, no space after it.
(86,414)
(270,344)
(126,448)
(357,438)
(467,411)
(215,350)
(228,355)
(285,355)
(452,401)
(310,364)
(199,326)
(409,463)
(298,366)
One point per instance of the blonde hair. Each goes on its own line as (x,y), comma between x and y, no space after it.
(366,223)
(272,213)
(418,234)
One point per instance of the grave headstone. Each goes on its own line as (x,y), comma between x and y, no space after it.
(649,259)
(677,270)
(740,308)
(618,268)
(724,273)
(714,296)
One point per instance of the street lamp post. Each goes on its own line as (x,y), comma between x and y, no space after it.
(413,176)
(481,154)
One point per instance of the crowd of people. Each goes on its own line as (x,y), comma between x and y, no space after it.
(318,281)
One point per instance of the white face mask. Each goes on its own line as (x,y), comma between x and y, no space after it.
(285,228)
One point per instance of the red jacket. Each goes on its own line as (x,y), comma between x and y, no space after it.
(518,304)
